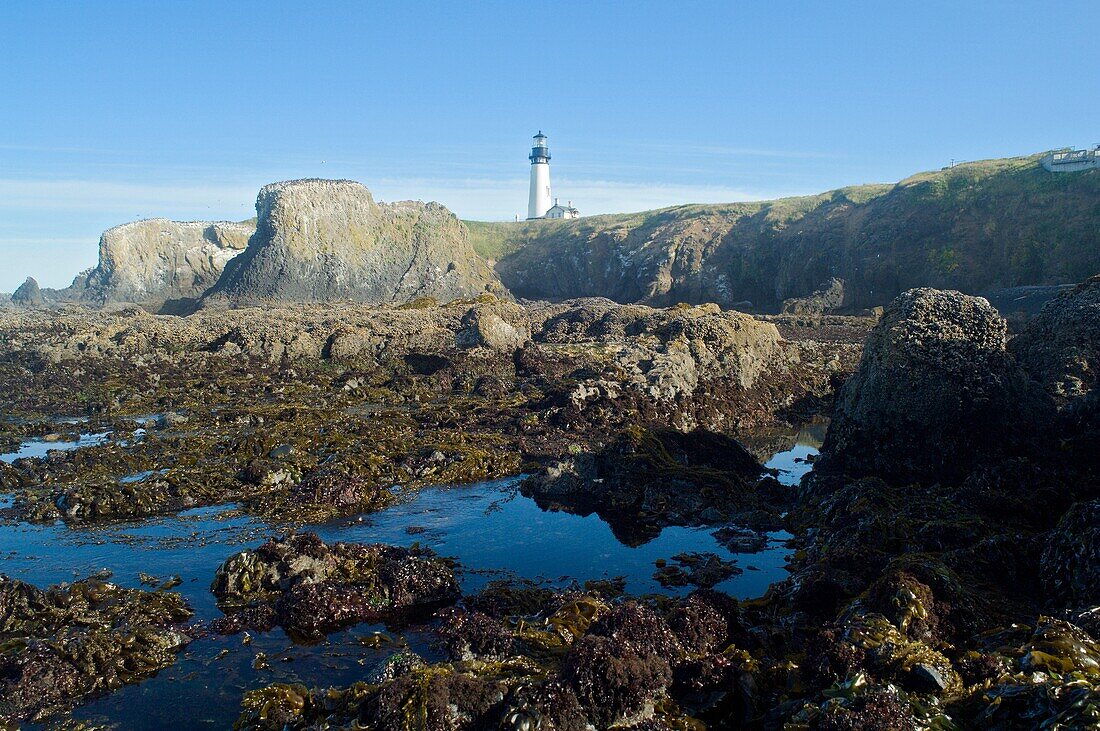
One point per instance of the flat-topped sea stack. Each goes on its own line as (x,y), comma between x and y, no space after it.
(159,263)
(328,240)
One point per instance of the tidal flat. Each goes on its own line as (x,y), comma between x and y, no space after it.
(487,514)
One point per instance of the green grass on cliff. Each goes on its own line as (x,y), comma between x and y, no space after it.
(976,226)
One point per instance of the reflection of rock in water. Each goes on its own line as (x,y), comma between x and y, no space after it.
(766,444)
(647,479)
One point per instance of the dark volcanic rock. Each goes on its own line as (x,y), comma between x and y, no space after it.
(1071,561)
(29,294)
(935,389)
(315,588)
(1061,350)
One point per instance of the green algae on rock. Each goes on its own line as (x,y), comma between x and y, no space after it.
(310,588)
(62,645)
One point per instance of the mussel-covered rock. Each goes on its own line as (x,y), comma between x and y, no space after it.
(72,641)
(1060,348)
(310,588)
(935,390)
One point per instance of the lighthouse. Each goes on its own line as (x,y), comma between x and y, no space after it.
(539,201)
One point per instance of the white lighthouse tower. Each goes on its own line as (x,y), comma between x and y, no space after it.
(539,201)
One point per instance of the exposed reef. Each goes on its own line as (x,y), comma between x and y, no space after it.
(63,645)
(310,588)
(943,566)
(318,412)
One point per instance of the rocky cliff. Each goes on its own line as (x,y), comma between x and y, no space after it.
(975,227)
(28,294)
(326,240)
(159,263)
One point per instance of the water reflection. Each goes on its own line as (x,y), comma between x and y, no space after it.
(491,529)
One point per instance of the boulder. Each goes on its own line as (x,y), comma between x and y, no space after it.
(1060,348)
(935,391)
(326,240)
(485,326)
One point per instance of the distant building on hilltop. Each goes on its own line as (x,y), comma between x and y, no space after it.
(1069,161)
(538,202)
(559,211)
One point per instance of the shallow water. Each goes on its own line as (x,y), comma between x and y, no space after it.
(40,447)
(794,463)
(491,529)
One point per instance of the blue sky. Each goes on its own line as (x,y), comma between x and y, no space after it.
(111,111)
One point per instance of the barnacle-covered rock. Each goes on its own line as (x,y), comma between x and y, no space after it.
(1060,348)
(471,634)
(935,390)
(72,641)
(314,588)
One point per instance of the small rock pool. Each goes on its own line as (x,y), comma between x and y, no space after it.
(491,529)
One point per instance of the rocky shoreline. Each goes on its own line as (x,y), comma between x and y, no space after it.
(944,572)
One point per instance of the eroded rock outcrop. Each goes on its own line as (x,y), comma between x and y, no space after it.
(935,389)
(157,261)
(28,294)
(326,240)
(829,298)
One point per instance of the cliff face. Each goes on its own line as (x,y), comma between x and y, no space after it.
(325,240)
(158,261)
(976,227)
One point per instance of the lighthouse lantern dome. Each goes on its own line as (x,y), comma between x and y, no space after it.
(539,151)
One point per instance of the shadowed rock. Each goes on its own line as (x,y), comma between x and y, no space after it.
(1061,349)
(935,389)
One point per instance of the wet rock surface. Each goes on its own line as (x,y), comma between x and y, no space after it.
(62,645)
(319,412)
(647,479)
(310,588)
